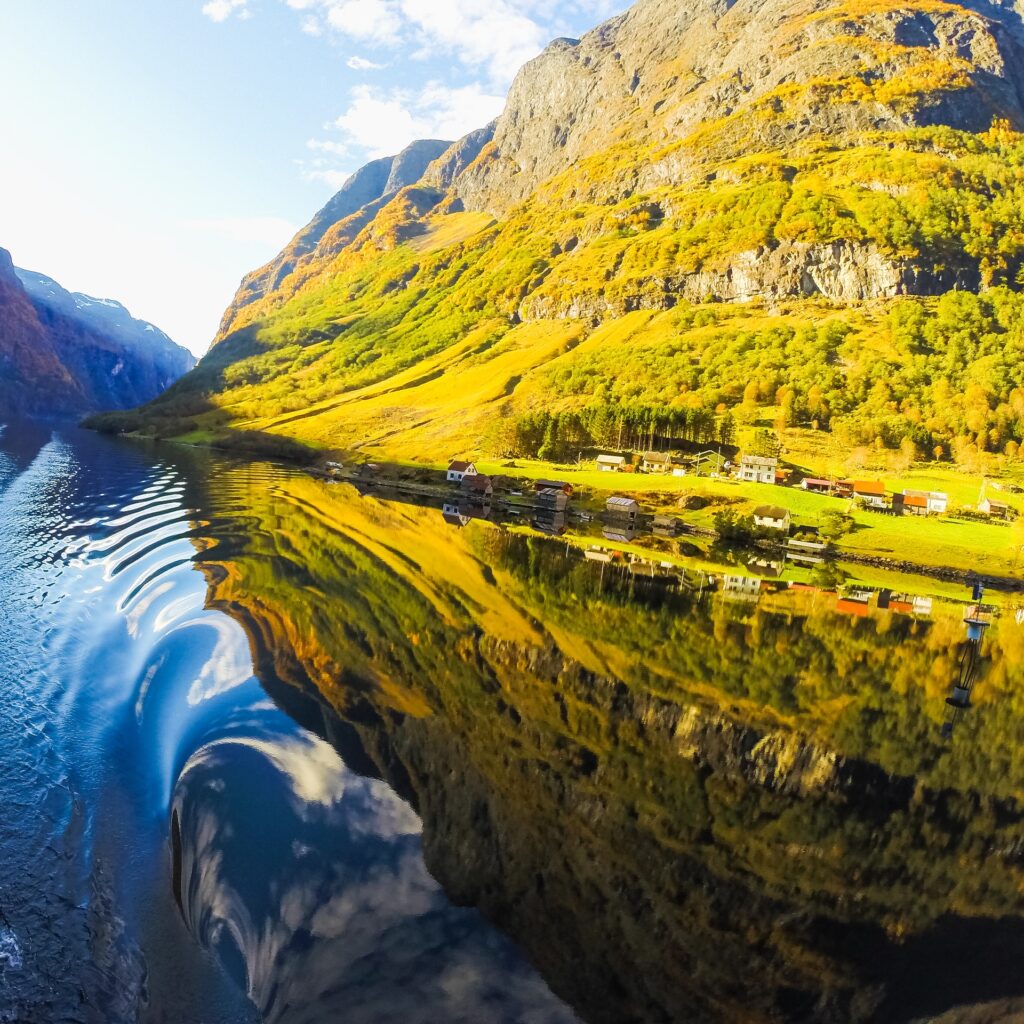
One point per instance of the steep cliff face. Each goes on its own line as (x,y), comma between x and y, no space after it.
(31,374)
(68,353)
(378,180)
(764,159)
(661,70)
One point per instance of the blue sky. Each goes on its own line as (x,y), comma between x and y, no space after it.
(156,150)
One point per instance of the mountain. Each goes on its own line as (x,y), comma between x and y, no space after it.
(805,210)
(65,352)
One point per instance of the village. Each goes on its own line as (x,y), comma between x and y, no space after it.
(741,498)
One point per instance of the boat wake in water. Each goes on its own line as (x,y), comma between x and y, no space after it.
(174,846)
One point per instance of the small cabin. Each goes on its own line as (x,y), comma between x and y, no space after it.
(551,498)
(458,471)
(995,509)
(816,485)
(611,463)
(772,517)
(626,508)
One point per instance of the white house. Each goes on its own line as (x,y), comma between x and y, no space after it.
(611,463)
(656,462)
(772,517)
(458,471)
(758,469)
(935,501)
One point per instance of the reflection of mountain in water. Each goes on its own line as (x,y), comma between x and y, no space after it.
(681,809)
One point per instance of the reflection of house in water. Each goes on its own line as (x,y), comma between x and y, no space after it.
(550,521)
(601,555)
(977,619)
(666,526)
(741,588)
(857,602)
(460,513)
(904,604)
(769,568)
(621,532)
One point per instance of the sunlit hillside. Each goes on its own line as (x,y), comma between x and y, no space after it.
(843,247)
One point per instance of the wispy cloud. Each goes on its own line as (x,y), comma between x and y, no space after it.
(383,122)
(221,10)
(495,37)
(362,64)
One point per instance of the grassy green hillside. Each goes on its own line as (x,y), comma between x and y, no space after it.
(836,247)
(421,346)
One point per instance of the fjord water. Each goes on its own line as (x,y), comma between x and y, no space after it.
(274,749)
(170,840)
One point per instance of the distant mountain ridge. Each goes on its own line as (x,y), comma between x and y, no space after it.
(69,353)
(724,176)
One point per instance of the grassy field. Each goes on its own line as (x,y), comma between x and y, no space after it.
(927,541)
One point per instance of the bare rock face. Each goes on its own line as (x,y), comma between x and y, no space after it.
(667,93)
(663,68)
(451,164)
(841,271)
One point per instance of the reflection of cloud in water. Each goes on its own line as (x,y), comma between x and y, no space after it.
(229,664)
(318,877)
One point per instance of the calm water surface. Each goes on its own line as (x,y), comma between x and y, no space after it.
(274,750)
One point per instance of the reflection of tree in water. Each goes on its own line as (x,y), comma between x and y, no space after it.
(682,810)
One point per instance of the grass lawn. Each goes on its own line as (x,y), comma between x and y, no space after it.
(932,541)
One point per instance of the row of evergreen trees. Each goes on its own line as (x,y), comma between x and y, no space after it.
(557,435)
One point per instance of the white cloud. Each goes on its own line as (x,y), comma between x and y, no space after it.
(498,36)
(362,64)
(334,178)
(221,10)
(378,22)
(270,231)
(385,122)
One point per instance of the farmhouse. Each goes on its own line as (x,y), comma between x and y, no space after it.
(771,517)
(611,463)
(871,492)
(656,462)
(910,504)
(458,471)
(934,501)
(758,469)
